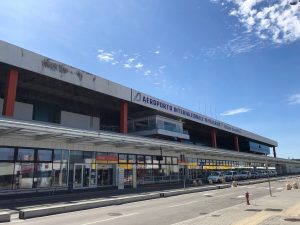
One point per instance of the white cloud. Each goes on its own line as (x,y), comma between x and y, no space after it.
(274,20)
(294,99)
(105,56)
(130,60)
(139,66)
(147,72)
(156,52)
(235,111)
(156,83)
(127,66)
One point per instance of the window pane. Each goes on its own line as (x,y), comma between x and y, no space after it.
(59,174)
(131,159)
(148,159)
(76,157)
(6,175)
(175,160)
(57,156)
(122,158)
(25,154)
(155,161)
(168,160)
(140,159)
(44,174)
(7,153)
(23,175)
(44,155)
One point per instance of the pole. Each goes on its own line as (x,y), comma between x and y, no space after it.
(267,167)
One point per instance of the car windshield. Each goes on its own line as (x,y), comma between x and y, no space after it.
(215,173)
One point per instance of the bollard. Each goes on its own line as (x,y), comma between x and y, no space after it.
(210,181)
(223,181)
(195,183)
(234,184)
(199,182)
(295,185)
(247,198)
(288,186)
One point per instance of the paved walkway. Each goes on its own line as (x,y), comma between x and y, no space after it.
(281,209)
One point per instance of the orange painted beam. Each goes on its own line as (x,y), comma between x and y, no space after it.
(236,143)
(124,118)
(213,138)
(10,93)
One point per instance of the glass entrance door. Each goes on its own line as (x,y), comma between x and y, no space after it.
(83,176)
(78,173)
(104,176)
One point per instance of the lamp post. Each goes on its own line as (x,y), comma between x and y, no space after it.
(267,168)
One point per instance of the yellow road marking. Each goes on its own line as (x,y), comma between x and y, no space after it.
(262,216)
(255,219)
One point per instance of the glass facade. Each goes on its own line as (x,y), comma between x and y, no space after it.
(27,168)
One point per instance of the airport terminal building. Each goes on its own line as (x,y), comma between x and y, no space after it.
(63,128)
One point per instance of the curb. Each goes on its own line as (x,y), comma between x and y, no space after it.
(4,217)
(64,208)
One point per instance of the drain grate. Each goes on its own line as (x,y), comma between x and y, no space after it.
(203,213)
(292,219)
(114,214)
(215,215)
(273,210)
(208,195)
(254,210)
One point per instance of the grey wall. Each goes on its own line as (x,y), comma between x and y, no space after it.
(75,120)
(23,111)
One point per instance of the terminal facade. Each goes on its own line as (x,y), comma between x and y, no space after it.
(63,128)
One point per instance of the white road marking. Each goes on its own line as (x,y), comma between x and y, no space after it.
(187,203)
(113,218)
(280,188)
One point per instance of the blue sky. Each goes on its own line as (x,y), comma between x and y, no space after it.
(233,60)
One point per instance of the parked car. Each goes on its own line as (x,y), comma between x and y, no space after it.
(230,175)
(215,177)
(272,173)
(254,175)
(261,174)
(244,175)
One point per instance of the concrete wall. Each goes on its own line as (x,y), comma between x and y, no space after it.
(75,120)
(23,111)
(28,60)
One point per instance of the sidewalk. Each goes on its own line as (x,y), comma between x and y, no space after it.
(281,209)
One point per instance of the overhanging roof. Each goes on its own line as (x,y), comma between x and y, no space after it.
(41,131)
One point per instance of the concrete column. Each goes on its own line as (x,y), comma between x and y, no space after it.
(236,143)
(124,118)
(10,93)
(214,138)
(274,152)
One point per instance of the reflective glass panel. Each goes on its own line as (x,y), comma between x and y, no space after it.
(6,175)
(44,155)
(25,154)
(7,154)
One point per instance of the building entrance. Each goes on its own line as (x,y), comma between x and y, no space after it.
(84,176)
(104,176)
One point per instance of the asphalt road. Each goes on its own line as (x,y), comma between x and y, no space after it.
(163,211)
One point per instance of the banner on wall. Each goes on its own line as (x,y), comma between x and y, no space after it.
(121,178)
